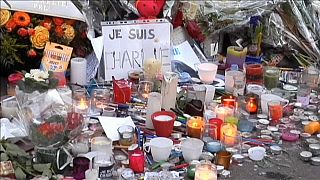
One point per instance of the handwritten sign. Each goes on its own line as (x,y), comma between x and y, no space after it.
(128,44)
(64,9)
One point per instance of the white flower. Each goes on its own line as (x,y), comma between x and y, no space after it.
(37,75)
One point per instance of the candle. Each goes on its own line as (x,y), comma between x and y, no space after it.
(91,174)
(223,158)
(137,161)
(252,105)
(275,111)
(232,120)
(214,146)
(82,106)
(169,90)
(217,122)
(254,73)
(222,112)
(154,105)
(9,108)
(145,87)
(126,134)
(228,134)
(230,75)
(195,126)
(228,100)
(101,144)
(271,77)
(78,71)
(206,171)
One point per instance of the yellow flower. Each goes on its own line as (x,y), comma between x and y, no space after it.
(4,16)
(40,37)
(69,32)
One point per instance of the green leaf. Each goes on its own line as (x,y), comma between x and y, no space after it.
(15,150)
(47,172)
(19,174)
(41,167)
(4,157)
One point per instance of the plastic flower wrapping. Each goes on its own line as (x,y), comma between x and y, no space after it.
(45,116)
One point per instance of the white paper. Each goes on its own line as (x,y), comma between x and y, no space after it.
(110,125)
(179,36)
(97,45)
(184,53)
(128,44)
(64,9)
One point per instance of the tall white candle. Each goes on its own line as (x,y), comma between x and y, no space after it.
(154,105)
(78,71)
(169,90)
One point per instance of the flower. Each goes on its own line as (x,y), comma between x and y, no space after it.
(4,16)
(32,53)
(40,37)
(37,75)
(31,32)
(15,77)
(22,32)
(59,31)
(69,33)
(11,25)
(47,23)
(21,18)
(58,21)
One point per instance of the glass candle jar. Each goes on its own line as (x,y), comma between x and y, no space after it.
(99,98)
(310,76)
(206,171)
(144,89)
(209,133)
(252,105)
(303,94)
(230,75)
(271,77)
(275,111)
(135,76)
(126,134)
(254,73)
(195,126)
(137,161)
(104,164)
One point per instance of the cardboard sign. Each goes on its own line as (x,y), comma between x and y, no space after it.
(64,9)
(128,44)
(56,57)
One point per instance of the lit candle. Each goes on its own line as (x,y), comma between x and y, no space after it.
(206,171)
(222,112)
(195,126)
(228,133)
(228,100)
(252,106)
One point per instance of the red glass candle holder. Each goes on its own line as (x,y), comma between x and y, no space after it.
(252,105)
(217,122)
(228,100)
(254,73)
(275,111)
(137,161)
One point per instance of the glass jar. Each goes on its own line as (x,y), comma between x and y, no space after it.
(206,171)
(303,94)
(271,77)
(254,73)
(126,134)
(230,75)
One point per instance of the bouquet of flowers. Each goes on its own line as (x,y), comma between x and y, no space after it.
(24,35)
(45,116)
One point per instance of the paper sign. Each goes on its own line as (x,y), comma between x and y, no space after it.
(128,44)
(64,9)
(110,125)
(184,53)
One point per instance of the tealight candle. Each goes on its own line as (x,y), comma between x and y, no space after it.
(81,106)
(228,100)
(252,105)
(195,126)
(222,112)
(228,133)
(206,171)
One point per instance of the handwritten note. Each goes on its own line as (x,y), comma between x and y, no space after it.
(128,44)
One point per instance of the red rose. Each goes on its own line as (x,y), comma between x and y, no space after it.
(32,53)
(11,25)
(59,31)
(22,32)
(58,21)
(31,32)
(15,77)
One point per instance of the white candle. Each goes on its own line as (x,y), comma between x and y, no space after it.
(154,105)
(206,172)
(9,109)
(91,174)
(169,90)
(222,112)
(78,71)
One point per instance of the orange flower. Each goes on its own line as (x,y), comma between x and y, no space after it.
(11,25)
(4,16)
(21,18)
(40,37)
(58,21)
(59,31)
